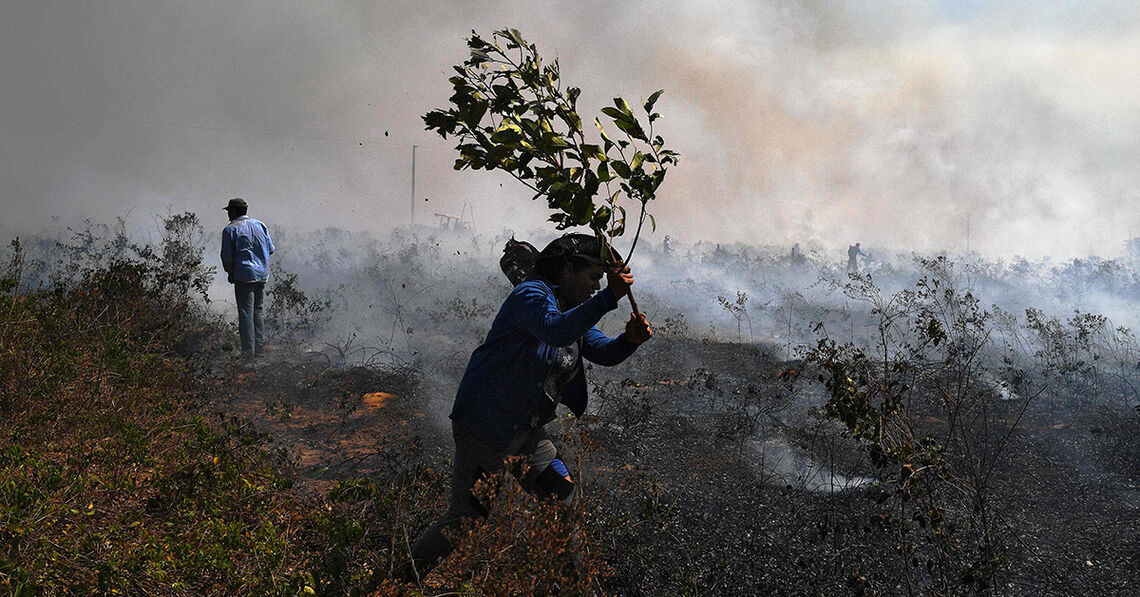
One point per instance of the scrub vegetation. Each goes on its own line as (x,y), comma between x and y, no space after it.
(921,428)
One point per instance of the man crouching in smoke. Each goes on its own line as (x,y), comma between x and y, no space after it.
(531,361)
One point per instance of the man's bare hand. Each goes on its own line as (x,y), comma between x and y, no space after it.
(637,329)
(619,279)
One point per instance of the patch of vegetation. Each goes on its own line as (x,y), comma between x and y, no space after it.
(924,461)
(114,476)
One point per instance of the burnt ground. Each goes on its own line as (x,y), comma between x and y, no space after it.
(1066,495)
(1073,523)
(684,497)
(336,422)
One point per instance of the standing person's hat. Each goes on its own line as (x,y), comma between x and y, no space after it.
(237,203)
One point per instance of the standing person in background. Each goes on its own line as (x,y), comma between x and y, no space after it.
(246,248)
(797,257)
(853,252)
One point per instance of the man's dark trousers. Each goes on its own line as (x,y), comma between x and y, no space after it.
(251,328)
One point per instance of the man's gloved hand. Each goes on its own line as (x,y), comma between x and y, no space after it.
(619,279)
(637,329)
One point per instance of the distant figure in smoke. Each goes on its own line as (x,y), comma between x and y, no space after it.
(530,362)
(852,263)
(666,247)
(246,248)
(797,257)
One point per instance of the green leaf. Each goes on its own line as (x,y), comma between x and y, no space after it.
(594,151)
(637,161)
(440,121)
(652,220)
(507,136)
(615,114)
(631,128)
(562,221)
(582,211)
(624,107)
(473,115)
(478,57)
(514,36)
(476,42)
(555,140)
(648,105)
(605,137)
(602,216)
(618,228)
(590,183)
(573,121)
(505,92)
(604,173)
(620,168)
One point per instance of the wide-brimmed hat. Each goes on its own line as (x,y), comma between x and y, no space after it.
(237,203)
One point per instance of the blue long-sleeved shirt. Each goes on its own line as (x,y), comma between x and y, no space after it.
(246,248)
(503,382)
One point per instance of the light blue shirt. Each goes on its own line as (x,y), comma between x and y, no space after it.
(246,248)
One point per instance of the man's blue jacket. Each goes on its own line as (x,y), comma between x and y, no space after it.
(503,382)
(246,248)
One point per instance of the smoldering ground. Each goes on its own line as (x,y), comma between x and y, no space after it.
(724,411)
(707,392)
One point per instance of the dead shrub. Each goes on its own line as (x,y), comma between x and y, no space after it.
(526,546)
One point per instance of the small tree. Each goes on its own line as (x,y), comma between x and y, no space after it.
(510,112)
(739,311)
(921,402)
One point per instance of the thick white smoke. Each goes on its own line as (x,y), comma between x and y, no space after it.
(893,123)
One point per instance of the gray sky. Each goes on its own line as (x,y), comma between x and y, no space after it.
(885,122)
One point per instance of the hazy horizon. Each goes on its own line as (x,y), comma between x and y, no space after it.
(823,123)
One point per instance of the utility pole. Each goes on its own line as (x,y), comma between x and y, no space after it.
(413,220)
(967,233)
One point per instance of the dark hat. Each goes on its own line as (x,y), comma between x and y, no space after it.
(518,260)
(237,203)
(583,246)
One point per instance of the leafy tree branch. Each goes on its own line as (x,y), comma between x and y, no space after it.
(510,112)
